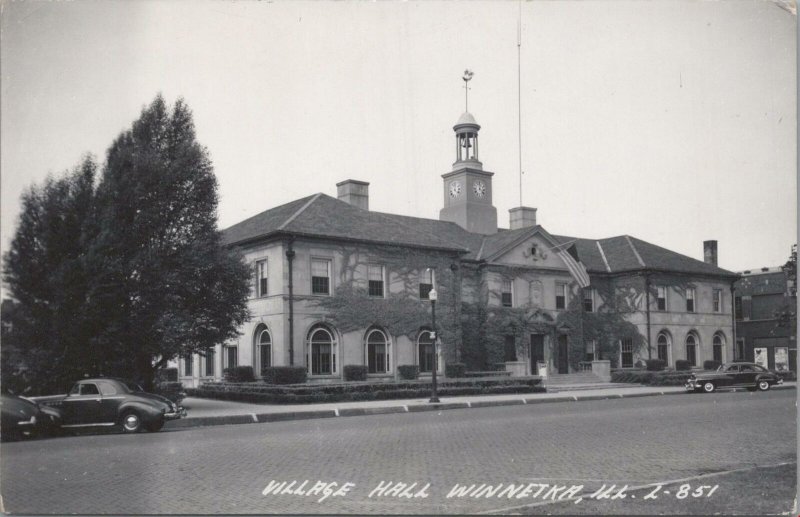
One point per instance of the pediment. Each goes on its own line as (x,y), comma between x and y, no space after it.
(534,249)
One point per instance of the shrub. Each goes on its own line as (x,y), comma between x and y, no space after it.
(455,370)
(711,365)
(284,374)
(408,371)
(682,365)
(172,390)
(662,378)
(655,365)
(355,372)
(167,375)
(239,374)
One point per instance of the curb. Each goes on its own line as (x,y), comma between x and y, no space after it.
(252,418)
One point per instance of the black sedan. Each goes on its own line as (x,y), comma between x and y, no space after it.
(23,417)
(110,402)
(733,375)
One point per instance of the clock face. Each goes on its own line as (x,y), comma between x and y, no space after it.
(455,189)
(479,188)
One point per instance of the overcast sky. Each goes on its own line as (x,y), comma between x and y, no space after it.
(672,121)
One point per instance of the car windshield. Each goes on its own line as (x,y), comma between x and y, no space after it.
(722,368)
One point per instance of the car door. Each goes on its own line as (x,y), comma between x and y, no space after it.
(82,405)
(747,377)
(112,398)
(729,376)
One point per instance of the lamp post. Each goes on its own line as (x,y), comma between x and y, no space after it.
(432,295)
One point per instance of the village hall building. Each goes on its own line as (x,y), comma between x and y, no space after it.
(336,283)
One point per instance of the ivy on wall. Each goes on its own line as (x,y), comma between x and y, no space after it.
(474,331)
(401,313)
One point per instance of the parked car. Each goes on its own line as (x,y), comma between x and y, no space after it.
(24,417)
(733,375)
(109,402)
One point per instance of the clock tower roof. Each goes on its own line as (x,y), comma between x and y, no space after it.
(466,119)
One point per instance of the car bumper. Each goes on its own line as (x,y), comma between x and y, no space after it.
(693,385)
(175,415)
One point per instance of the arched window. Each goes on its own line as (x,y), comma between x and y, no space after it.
(663,344)
(263,349)
(377,352)
(691,349)
(322,346)
(718,345)
(426,350)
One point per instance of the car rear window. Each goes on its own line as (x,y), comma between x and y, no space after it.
(89,389)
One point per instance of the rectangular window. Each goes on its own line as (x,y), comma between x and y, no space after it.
(561,296)
(590,349)
(506,297)
(424,290)
(689,299)
(188,364)
(739,350)
(210,363)
(231,356)
(588,300)
(510,348)
(738,307)
(627,353)
(320,276)
(375,277)
(261,276)
(661,298)
(717,300)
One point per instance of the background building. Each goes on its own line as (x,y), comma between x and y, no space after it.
(766,318)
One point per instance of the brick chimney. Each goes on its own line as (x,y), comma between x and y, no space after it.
(354,192)
(710,252)
(521,217)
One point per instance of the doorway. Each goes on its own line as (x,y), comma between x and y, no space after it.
(537,352)
(563,354)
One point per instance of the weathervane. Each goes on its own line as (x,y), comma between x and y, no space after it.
(467,76)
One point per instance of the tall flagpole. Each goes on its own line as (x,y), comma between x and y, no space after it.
(519,94)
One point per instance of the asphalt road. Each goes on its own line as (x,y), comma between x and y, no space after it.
(744,443)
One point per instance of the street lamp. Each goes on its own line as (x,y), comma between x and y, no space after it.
(432,295)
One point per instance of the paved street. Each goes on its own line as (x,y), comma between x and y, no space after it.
(632,442)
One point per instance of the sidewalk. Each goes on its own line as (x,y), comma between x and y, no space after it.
(205,412)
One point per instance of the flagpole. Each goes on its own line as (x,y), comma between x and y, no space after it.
(519,94)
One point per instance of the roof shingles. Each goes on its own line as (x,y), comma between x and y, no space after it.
(326,217)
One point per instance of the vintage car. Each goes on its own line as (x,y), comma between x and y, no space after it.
(109,402)
(22,417)
(733,375)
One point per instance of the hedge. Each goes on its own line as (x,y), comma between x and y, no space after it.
(408,371)
(454,370)
(655,365)
(651,378)
(355,372)
(682,365)
(711,365)
(259,392)
(239,374)
(167,375)
(172,390)
(284,374)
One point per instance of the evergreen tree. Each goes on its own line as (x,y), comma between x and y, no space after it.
(45,270)
(162,283)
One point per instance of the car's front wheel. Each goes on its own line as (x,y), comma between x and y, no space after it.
(709,387)
(131,422)
(763,385)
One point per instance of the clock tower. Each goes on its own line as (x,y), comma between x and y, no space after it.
(468,188)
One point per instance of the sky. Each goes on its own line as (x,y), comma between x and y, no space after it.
(671,121)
